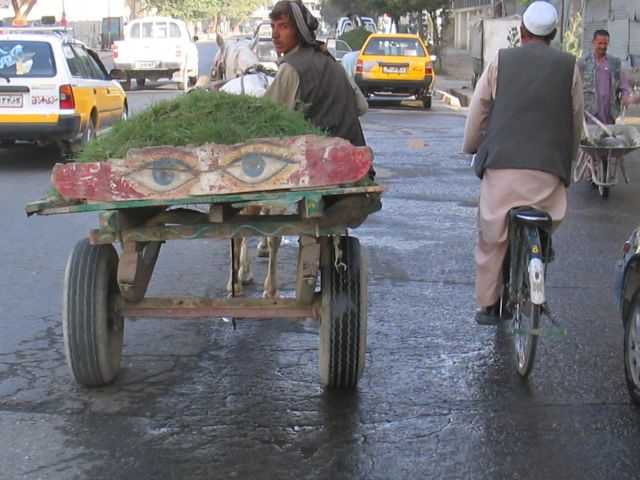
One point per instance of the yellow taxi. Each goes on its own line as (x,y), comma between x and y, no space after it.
(53,89)
(397,63)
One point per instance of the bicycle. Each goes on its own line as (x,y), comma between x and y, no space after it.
(524,269)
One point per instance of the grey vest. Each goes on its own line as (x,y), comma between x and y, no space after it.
(531,122)
(588,71)
(328,97)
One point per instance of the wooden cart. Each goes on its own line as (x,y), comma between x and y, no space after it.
(102,288)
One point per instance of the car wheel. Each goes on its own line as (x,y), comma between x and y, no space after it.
(183,83)
(632,349)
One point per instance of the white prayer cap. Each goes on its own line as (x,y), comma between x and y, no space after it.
(540,18)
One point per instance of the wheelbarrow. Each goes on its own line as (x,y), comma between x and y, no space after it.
(602,155)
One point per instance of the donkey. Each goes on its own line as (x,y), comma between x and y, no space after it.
(233,60)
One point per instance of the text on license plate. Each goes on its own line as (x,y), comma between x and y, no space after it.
(146,64)
(10,100)
(394,70)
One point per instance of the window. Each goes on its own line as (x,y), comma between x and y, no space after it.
(174,30)
(26,59)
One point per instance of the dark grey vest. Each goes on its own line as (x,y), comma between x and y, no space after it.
(531,123)
(328,97)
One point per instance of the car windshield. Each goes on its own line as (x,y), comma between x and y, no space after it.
(395,47)
(26,59)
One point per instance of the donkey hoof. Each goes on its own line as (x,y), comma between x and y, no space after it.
(262,250)
(237,291)
(271,294)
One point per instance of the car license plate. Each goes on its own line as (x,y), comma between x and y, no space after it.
(145,64)
(394,70)
(10,100)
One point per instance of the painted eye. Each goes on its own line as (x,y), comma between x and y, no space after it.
(255,168)
(163,175)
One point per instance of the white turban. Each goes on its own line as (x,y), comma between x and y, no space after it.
(540,18)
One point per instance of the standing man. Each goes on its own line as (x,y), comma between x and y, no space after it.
(524,124)
(311,79)
(604,82)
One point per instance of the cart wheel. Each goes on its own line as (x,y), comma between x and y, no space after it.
(92,331)
(602,176)
(632,349)
(343,327)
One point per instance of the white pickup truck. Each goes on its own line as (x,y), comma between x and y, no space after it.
(155,48)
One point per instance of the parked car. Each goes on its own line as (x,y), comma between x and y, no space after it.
(396,64)
(346,24)
(627,288)
(262,45)
(53,89)
(155,48)
(338,48)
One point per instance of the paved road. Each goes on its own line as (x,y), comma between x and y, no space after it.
(439,397)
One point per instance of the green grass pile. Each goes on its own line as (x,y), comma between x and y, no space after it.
(197,118)
(355,38)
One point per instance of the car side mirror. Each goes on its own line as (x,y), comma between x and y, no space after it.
(117,74)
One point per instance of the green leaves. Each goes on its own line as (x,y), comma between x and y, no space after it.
(196,118)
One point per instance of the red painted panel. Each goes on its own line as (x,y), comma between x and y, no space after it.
(166,172)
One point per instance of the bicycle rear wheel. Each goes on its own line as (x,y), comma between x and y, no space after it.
(526,318)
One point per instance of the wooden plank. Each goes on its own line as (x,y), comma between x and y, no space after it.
(166,172)
(189,307)
(307,269)
(56,206)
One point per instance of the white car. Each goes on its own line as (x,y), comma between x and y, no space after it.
(53,89)
(155,48)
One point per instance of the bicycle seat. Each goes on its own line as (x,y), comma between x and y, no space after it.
(531,216)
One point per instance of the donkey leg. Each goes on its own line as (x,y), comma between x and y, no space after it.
(271,281)
(235,288)
(244,273)
(263,248)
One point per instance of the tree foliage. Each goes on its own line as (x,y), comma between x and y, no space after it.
(204,9)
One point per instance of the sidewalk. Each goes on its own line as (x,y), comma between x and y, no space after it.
(455,86)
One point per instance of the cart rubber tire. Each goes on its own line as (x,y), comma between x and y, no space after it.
(426,101)
(141,81)
(526,315)
(632,348)
(343,327)
(602,173)
(93,333)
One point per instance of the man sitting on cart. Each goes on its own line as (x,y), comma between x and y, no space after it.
(311,78)
(525,123)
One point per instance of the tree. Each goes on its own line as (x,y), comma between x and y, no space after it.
(21,8)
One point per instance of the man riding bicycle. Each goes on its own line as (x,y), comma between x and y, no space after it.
(524,125)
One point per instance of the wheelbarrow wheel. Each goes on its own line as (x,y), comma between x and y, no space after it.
(343,327)
(92,330)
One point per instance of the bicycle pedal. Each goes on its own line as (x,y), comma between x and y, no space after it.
(536,281)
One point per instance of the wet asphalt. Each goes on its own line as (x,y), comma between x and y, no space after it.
(439,398)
